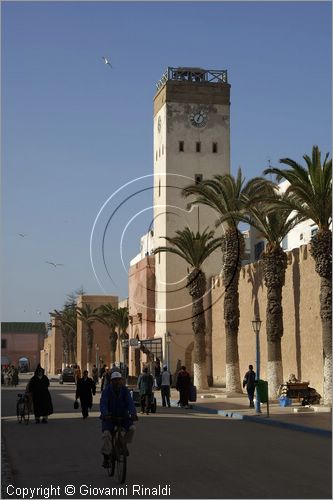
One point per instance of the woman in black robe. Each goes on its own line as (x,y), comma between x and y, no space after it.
(38,387)
(85,390)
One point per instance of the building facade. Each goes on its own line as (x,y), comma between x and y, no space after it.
(22,340)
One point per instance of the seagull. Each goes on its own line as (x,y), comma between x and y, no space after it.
(106,61)
(53,263)
(22,235)
(39,313)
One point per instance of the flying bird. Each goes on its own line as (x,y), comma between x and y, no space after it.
(53,263)
(106,61)
(22,235)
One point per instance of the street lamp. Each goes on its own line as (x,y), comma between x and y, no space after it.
(256,324)
(168,342)
(97,358)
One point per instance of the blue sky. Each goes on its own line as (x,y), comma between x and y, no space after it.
(75,130)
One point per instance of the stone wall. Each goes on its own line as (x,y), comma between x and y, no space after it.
(302,339)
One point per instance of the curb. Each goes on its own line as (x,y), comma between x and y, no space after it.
(263,420)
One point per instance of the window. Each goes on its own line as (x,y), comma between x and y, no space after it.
(181,146)
(159,257)
(214,147)
(301,236)
(198,147)
(159,187)
(258,250)
(162,149)
(156,155)
(159,152)
(314,231)
(285,243)
(198,178)
(3,343)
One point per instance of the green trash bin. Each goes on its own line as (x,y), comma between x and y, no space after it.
(262,387)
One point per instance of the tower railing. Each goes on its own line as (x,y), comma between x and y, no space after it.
(193,75)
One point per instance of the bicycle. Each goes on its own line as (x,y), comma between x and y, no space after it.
(118,457)
(22,409)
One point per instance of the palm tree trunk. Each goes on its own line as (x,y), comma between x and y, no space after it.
(113,346)
(233,249)
(197,288)
(326,320)
(90,341)
(274,268)
(321,251)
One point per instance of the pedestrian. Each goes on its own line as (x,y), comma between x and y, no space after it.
(183,386)
(38,387)
(14,378)
(94,373)
(101,371)
(166,381)
(85,390)
(249,383)
(77,374)
(106,378)
(116,402)
(157,373)
(145,385)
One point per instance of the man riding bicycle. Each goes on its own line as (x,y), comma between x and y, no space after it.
(116,403)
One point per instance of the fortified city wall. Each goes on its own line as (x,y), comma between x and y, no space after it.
(302,338)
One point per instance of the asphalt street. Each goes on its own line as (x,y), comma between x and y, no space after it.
(190,455)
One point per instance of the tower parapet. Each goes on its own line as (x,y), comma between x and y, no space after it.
(196,75)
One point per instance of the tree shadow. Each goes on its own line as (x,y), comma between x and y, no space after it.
(297,294)
(255,278)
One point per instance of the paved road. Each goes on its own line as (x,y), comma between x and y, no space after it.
(195,455)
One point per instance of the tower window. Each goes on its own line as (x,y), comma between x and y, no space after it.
(162,149)
(156,155)
(3,343)
(214,147)
(159,152)
(198,178)
(181,146)
(198,147)
(159,187)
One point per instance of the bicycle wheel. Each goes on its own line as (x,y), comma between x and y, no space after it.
(121,466)
(25,414)
(18,413)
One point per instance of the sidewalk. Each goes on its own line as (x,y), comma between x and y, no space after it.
(315,419)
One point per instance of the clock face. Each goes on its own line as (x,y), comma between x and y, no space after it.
(159,124)
(198,118)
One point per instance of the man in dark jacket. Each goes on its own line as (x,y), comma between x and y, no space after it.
(249,383)
(85,390)
(183,386)
(41,398)
(145,385)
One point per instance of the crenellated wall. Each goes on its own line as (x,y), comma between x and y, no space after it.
(302,339)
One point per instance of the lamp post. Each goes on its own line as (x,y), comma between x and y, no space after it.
(97,358)
(168,342)
(256,324)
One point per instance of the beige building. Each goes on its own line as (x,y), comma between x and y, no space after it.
(22,340)
(191,143)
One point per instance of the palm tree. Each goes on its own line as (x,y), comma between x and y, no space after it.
(108,318)
(121,318)
(311,196)
(273,220)
(66,320)
(195,249)
(88,315)
(228,197)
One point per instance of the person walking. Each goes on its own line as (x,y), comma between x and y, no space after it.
(249,383)
(85,390)
(145,385)
(166,381)
(38,387)
(157,370)
(106,377)
(116,402)
(94,373)
(183,386)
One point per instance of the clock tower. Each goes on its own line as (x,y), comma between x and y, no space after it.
(191,143)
